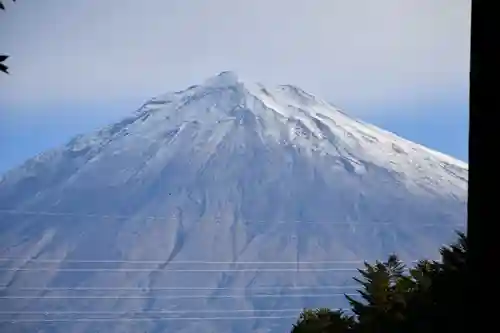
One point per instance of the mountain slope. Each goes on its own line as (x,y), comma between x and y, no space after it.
(221,179)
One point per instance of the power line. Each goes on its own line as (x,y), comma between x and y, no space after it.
(89,215)
(182,296)
(143,319)
(159,262)
(152,218)
(182,262)
(174,270)
(179,288)
(49,313)
(179,262)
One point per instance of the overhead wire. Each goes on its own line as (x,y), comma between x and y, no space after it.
(45,297)
(244,221)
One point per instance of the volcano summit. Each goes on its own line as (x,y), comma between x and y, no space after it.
(226,207)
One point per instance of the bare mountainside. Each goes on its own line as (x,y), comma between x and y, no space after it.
(226,207)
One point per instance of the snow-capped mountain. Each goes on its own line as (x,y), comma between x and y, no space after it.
(225,207)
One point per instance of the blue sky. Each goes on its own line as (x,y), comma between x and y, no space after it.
(78,65)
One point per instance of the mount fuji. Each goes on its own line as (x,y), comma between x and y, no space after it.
(226,207)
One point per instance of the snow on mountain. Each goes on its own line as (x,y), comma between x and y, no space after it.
(229,201)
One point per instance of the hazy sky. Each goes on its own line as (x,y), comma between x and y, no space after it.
(79,64)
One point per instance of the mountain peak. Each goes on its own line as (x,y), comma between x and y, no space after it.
(223,79)
(228,173)
(284,109)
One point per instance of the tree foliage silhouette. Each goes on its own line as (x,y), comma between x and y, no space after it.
(323,320)
(426,298)
(4,57)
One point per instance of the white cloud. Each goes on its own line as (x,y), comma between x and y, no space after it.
(348,51)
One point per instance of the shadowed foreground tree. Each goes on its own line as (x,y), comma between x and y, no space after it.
(429,297)
(3,57)
(324,320)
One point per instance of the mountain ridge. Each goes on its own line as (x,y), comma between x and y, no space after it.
(230,78)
